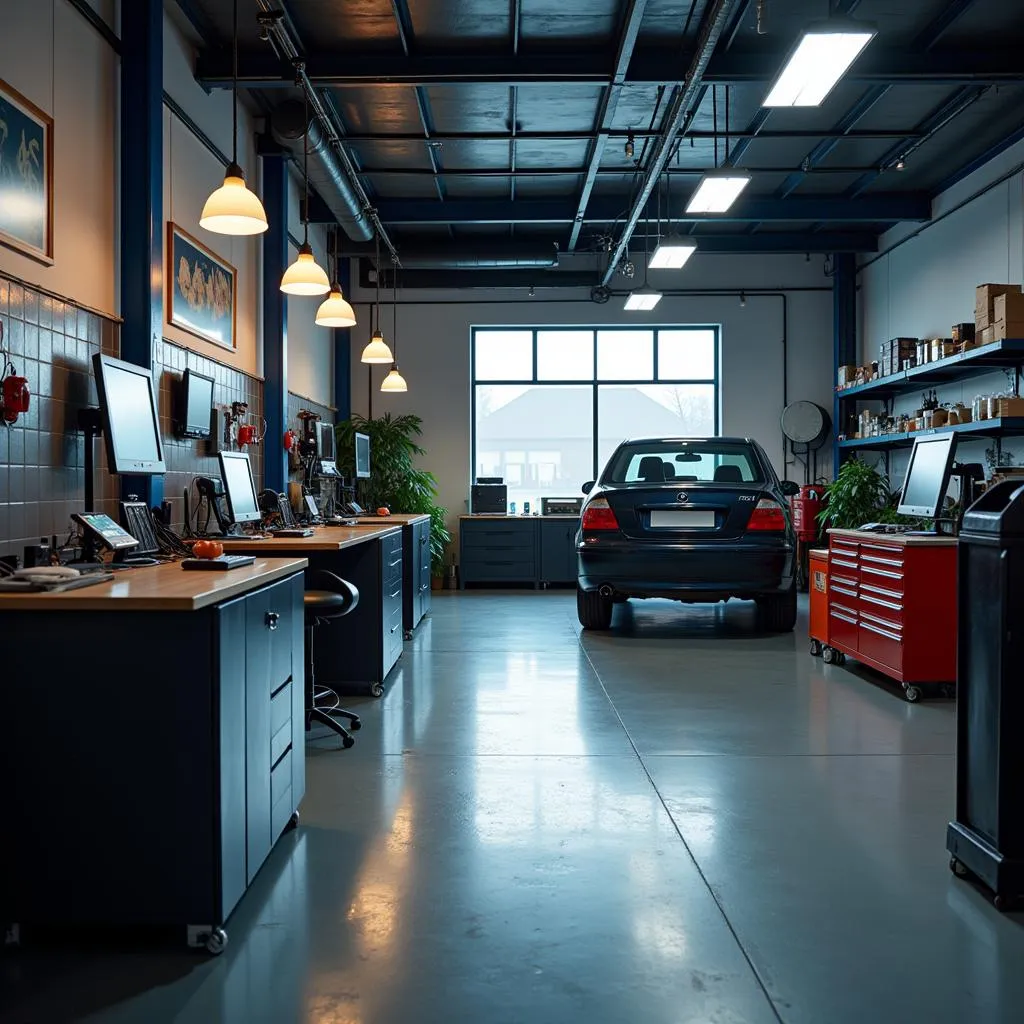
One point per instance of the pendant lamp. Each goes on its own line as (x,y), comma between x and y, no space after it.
(305,276)
(394,382)
(377,351)
(334,311)
(233,209)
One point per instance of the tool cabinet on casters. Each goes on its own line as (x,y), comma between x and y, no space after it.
(152,741)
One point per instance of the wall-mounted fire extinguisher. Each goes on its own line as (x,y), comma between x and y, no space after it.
(289,440)
(14,392)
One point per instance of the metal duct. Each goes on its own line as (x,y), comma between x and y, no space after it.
(288,127)
(494,256)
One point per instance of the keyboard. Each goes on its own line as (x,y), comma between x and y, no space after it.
(222,563)
(294,532)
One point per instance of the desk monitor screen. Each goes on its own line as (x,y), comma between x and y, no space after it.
(197,404)
(927,480)
(240,488)
(131,424)
(325,441)
(362,456)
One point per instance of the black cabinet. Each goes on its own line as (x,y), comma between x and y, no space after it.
(416,547)
(169,762)
(558,550)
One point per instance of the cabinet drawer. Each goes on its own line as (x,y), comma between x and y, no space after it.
(282,801)
(882,606)
(499,569)
(882,576)
(269,614)
(842,626)
(882,644)
(280,722)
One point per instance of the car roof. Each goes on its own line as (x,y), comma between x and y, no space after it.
(688,440)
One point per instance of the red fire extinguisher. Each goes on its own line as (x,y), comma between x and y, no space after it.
(806,507)
(14,392)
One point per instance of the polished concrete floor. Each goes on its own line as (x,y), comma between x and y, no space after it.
(678,822)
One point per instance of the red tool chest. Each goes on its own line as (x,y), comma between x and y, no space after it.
(892,605)
(818,586)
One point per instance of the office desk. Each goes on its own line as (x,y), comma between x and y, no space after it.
(152,736)
(354,654)
(416,551)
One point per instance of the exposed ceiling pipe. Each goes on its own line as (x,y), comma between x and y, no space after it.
(495,256)
(288,127)
(677,119)
(279,32)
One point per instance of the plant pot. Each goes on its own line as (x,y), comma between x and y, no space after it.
(437,583)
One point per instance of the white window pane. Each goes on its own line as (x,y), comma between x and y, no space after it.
(504,355)
(625,355)
(652,411)
(565,355)
(686,355)
(543,438)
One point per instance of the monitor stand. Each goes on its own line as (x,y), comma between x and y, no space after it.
(90,423)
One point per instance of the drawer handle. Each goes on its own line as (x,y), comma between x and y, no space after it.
(881,632)
(843,590)
(884,604)
(393,628)
(844,618)
(272,619)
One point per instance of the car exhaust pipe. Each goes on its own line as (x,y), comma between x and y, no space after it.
(606,590)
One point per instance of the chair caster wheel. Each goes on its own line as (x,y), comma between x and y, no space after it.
(347,741)
(293,822)
(376,690)
(407,635)
(216,942)
(355,725)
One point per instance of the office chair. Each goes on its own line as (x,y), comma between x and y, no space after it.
(337,598)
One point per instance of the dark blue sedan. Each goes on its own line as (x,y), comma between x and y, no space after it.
(691,519)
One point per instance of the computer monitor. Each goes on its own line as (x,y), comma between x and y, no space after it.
(326,449)
(362,456)
(130,417)
(196,404)
(927,479)
(239,487)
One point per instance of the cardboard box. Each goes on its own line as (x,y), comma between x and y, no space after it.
(1010,407)
(962,332)
(847,375)
(986,337)
(1009,307)
(1003,329)
(984,302)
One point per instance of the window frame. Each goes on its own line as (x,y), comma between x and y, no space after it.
(596,383)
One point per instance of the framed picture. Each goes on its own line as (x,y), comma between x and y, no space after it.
(201,287)
(26,176)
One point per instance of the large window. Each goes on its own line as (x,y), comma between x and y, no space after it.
(551,404)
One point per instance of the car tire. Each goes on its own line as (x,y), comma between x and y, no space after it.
(594,611)
(777,612)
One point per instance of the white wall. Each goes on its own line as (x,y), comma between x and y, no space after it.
(191,173)
(926,284)
(434,349)
(310,348)
(50,54)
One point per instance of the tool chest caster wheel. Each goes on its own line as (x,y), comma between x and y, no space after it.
(912,693)
(216,942)
(815,648)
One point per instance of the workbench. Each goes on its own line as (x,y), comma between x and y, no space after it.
(500,549)
(355,653)
(152,743)
(416,555)
(892,605)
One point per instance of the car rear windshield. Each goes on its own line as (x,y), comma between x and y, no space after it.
(684,462)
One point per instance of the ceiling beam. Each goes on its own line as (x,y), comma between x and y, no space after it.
(619,133)
(569,172)
(632,19)
(259,69)
(880,208)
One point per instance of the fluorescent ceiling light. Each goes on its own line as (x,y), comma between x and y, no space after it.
(822,57)
(642,300)
(672,254)
(717,192)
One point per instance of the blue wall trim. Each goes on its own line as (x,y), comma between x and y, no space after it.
(275,321)
(844,329)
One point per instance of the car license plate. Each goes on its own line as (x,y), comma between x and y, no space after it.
(688,519)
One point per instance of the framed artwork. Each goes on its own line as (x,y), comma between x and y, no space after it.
(201,289)
(26,176)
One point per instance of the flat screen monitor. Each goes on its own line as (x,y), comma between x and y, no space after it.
(196,404)
(363,456)
(131,423)
(927,479)
(325,441)
(239,487)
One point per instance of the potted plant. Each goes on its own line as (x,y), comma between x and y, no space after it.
(858,495)
(395,481)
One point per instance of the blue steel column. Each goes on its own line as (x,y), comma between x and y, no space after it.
(142,197)
(844,324)
(275,320)
(343,350)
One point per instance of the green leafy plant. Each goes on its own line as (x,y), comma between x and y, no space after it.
(858,495)
(396,482)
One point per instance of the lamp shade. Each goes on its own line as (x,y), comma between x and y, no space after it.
(234,209)
(394,381)
(377,350)
(305,276)
(334,311)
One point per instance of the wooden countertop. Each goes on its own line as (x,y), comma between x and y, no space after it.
(896,539)
(159,588)
(399,518)
(325,538)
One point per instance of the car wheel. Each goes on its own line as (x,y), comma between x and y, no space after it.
(594,611)
(778,612)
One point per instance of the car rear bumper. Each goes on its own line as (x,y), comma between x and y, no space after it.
(705,573)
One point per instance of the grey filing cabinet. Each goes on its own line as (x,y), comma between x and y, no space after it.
(416,545)
(558,549)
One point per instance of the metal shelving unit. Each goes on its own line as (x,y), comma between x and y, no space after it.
(1008,426)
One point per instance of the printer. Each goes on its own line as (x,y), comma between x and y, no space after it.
(489,496)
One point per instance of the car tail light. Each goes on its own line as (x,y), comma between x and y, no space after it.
(598,515)
(768,516)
